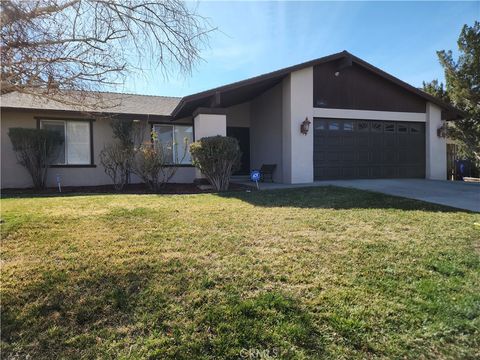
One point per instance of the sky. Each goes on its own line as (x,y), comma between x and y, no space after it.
(256,37)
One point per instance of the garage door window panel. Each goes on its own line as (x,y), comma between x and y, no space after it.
(415,129)
(333,126)
(402,129)
(320,125)
(377,126)
(389,127)
(363,126)
(348,125)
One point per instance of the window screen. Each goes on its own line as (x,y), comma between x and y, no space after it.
(78,142)
(183,139)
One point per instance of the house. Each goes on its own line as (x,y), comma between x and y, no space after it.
(365,123)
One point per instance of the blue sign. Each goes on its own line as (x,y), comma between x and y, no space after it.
(255,175)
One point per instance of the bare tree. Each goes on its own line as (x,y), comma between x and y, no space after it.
(57,47)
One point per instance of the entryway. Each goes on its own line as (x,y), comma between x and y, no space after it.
(242,134)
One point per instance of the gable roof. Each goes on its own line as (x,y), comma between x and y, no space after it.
(227,95)
(244,90)
(114,103)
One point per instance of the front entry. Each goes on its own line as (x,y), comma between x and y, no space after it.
(242,134)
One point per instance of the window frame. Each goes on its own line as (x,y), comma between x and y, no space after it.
(152,128)
(91,147)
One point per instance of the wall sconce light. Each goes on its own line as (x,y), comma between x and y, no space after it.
(337,73)
(442,131)
(305,126)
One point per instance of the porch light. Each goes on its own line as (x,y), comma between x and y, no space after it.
(442,131)
(305,126)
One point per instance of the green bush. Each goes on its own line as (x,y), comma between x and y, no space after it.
(34,149)
(216,157)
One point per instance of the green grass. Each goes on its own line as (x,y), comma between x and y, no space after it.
(292,274)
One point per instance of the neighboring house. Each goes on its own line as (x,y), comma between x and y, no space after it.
(365,123)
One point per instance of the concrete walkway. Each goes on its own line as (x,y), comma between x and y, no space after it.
(456,194)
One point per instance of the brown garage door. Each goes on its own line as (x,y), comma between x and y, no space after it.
(363,149)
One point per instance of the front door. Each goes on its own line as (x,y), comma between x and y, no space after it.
(242,134)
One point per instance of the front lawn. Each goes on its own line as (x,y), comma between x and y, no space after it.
(301,274)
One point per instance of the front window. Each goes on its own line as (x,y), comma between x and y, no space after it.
(175,141)
(333,125)
(76,147)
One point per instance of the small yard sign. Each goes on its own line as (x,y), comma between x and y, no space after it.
(255,176)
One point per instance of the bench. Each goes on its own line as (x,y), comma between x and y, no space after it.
(267,171)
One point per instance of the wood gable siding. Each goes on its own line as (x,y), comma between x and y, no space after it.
(358,88)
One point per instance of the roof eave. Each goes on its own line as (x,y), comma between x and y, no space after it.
(277,73)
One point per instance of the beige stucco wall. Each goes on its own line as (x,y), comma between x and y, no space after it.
(297,93)
(13,175)
(209,125)
(266,131)
(436,147)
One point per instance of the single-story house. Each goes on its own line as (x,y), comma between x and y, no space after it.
(365,123)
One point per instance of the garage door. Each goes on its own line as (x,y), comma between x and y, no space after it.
(363,149)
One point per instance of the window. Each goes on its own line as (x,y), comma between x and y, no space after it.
(333,125)
(320,124)
(76,147)
(389,127)
(348,125)
(402,128)
(175,140)
(376,126)
(414,129)
(363,126)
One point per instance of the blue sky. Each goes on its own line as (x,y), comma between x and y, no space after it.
(256,37)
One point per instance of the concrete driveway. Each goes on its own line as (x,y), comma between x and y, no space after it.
(451,193)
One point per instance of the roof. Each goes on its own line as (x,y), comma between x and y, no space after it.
(244,90)
(106,102)
(224,96)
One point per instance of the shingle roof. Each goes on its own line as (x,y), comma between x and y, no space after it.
(108,103)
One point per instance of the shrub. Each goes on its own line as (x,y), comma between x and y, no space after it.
(117,160)
(34,149)
(153,163)
(216,157)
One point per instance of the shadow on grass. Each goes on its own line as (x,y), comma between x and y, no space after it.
(162,311)
(332,197)
(132,189)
